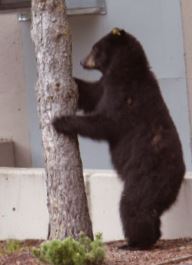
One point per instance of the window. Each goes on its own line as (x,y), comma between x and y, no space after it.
(74,7)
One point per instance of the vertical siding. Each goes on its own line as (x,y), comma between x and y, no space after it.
(186,6)
(158,25)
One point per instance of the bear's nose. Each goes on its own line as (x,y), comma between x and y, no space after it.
(88,62)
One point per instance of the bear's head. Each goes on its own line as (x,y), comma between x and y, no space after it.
(116,48)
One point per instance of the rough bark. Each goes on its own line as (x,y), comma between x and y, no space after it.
(57,95)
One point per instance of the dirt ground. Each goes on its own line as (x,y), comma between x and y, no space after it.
(165,252)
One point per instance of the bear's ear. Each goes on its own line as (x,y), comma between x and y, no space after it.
(117,32)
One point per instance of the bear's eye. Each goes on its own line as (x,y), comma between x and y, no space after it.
(95,49)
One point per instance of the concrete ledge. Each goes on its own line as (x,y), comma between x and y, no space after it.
(177,222)
(23,210)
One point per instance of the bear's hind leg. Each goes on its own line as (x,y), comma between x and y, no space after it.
(141,226)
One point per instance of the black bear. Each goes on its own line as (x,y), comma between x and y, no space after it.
(126,109)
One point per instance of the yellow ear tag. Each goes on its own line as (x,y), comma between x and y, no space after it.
(116,31)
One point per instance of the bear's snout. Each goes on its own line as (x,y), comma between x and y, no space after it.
(88,62)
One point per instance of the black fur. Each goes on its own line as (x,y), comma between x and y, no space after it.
(125,108)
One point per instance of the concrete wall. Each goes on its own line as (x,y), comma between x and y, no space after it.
(159,27)
(24,213)
(13,106)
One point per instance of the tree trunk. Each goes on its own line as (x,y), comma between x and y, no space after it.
(57,95)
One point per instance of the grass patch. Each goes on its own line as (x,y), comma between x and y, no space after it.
(13,246)
(8,247)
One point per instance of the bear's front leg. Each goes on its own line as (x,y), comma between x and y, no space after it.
(90,94)
(64,124)
(93,126)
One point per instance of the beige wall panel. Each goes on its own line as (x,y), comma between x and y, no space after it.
(13,114)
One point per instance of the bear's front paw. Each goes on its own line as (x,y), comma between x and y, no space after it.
(63,125)
(57,124)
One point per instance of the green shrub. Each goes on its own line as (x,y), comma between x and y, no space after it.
(72,252)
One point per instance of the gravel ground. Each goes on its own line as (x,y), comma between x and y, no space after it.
(165,252)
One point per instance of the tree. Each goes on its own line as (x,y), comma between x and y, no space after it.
(57,95)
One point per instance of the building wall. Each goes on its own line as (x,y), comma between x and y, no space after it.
(157,24)
(13,109)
